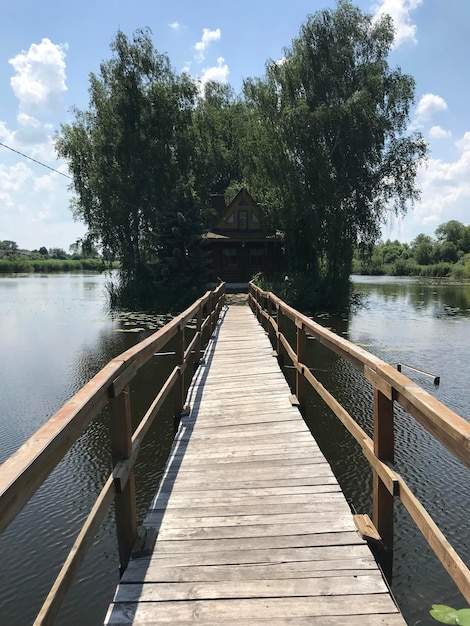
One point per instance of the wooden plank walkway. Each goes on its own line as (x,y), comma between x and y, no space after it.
(252,525)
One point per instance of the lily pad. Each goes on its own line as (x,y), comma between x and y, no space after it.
(444,614)
(448,615)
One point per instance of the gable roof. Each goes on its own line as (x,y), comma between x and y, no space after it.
(242,214)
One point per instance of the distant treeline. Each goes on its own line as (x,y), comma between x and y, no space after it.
(23,265)
(448,255)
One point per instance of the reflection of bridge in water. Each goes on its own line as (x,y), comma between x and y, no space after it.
(249,525)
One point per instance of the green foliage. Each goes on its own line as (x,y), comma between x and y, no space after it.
(216,133)
(23,265)
(182,269)
(328,141)
(129,151)
(9,247)
(307,294)
(447,615)
(423,257)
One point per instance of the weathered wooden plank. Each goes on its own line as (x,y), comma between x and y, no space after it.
(242,509)
(244,610)
(218,499)
(261,530)
(329,539)
(261,588)
(149,571)
(352,620)
(175,519)
(237,557)
(247,455)
(196,485)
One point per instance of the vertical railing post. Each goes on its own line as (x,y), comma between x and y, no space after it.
(198,346)
(279,347)
(384,451)
(301,357)
(179,391)
(212,306)
(121,448)
(270,313)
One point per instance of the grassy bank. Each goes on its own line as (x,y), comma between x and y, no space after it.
(409,267)
(45,266)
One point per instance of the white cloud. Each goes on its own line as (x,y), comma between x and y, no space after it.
(445,188)
(175,25)
(12,179)
(436,132)
(399,10)
(445,195)
(207,37)
(217,73)
(429,104)
(34,202)
(40,76)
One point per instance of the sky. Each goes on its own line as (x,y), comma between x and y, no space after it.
(48,50)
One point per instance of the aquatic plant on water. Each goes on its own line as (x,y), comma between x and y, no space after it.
(447,615)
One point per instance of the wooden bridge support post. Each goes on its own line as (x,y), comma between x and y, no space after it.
(300,383)
(213,312)
(270,313)
(179,391)
(198,346)
(279,346)
(121,448)
(384,450)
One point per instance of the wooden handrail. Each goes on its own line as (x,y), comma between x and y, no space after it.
(26,470)
(389,386)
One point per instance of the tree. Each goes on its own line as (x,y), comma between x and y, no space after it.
(217,132)
(57,253)
(422,249)
(182,266)
(456,233)
(10,247)
(129,151)
(329,128)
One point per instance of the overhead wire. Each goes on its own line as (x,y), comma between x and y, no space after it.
(54,170)
(35,161)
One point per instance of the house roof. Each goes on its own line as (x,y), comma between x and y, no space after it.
(242,214)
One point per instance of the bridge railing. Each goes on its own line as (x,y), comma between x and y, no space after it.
(26,470)
(389,386)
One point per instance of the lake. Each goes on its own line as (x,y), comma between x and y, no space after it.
(56,333)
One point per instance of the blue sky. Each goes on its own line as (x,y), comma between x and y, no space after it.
(47,51)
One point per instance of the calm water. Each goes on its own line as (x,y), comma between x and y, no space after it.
(55,334)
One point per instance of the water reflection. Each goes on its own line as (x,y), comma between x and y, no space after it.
(435,298)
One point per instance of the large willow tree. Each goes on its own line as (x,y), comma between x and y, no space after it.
(328,142)
(130,153)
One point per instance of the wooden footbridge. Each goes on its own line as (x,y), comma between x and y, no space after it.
(249,525)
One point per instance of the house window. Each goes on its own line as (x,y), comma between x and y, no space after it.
(229,258)
(256,257)
(254,218)
(242,220)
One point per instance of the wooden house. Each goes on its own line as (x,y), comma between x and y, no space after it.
(239,245)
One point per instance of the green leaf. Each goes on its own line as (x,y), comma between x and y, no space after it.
(463,617)
(444,614)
